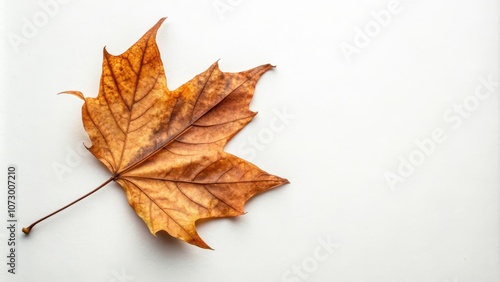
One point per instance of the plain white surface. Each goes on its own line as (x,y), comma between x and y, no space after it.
(344,122)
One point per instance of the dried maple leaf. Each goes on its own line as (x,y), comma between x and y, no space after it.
(166,148)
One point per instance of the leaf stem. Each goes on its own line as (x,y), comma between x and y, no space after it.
(27,230)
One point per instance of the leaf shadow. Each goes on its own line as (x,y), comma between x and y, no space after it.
(169,244)
(163,244)
(268,193)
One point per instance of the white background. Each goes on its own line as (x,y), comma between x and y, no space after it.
(349,120)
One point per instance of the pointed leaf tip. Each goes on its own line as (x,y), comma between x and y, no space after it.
(74,93)
(155,28)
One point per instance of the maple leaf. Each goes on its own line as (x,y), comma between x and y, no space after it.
(166,148)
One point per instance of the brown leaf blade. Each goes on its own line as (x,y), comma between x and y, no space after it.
(166,148)
(129,107)
(174,197)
